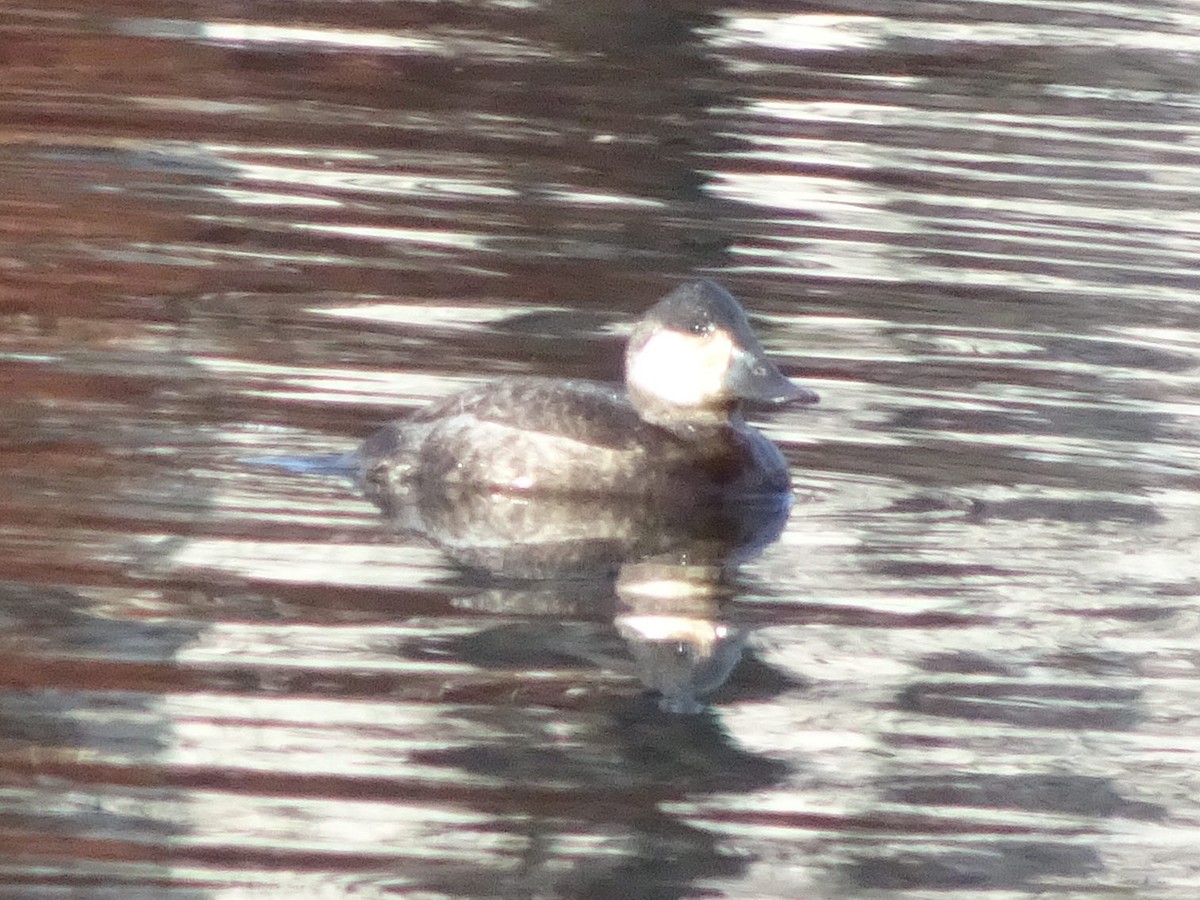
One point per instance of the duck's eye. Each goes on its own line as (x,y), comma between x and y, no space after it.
(699,327)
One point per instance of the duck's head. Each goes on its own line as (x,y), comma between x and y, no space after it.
(692,356)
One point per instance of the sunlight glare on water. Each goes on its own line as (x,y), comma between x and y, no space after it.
(967,665)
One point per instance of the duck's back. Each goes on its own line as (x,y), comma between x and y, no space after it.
(533,434)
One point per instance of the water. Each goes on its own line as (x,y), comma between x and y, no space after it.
(968,666)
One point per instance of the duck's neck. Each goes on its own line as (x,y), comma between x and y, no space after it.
(684,421)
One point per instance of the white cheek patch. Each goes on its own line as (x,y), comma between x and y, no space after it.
(681,369)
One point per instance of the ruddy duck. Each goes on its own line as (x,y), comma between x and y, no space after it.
(690,363)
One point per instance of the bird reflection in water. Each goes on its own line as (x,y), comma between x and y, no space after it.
(665,570)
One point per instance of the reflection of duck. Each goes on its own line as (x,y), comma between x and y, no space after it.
(691,361)
(667,567)
(680,637)
(672,621)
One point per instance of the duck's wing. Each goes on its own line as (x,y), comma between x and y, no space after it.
(590,412)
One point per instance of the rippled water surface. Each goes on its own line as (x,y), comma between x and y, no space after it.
(969,665)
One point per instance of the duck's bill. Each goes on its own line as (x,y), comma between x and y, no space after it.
(755,378)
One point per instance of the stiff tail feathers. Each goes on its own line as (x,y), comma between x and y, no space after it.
(327,464)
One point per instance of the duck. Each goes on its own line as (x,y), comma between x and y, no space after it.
(675,427)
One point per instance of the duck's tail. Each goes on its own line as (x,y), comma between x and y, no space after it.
(326,464)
